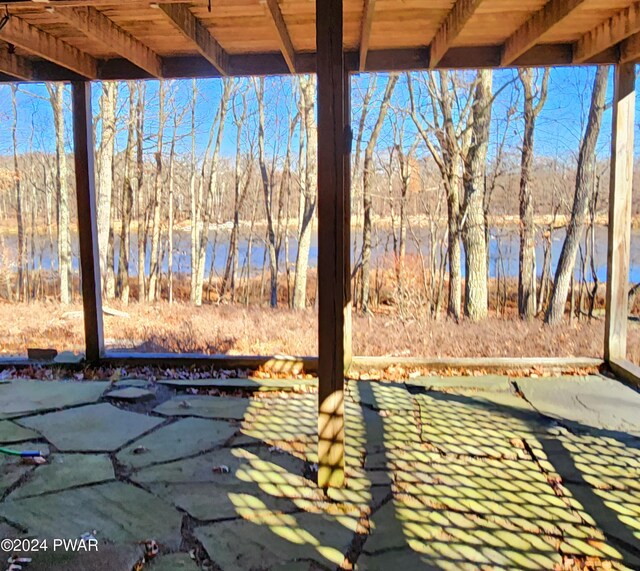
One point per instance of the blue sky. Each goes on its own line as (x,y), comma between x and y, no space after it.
(558,131)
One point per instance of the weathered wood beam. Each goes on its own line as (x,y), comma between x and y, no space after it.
(620,190)
(286,45)
(615,30)
(450,29)
(365,32)
(195,31)
(627,371)
(32,39)
(87,220)
(630,49)
(97,26)
(529,34)
(331,250)
(15,66)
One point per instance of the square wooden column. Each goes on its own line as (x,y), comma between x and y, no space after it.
(87,219)
(618,253)
(332,200)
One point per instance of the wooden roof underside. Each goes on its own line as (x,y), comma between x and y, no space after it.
(107,39)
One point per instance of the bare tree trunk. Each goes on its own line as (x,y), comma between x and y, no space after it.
(105,181)
(527,307)
(474,229)
(308,194)
(583,190)
(267,188)
(56,95)
(127,197)
(18,188)
(139,188)
(154,263)
(368,173)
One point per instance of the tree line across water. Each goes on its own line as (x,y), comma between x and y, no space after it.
(440,159)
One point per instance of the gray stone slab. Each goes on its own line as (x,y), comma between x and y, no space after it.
(119,513)
(138,383)
(11,432)
(381,396)
(271,541)
(173,562)
(257,480)
(246,384)
(20,398)
(181,439)
(591,402)
(205,406)
(93,428)
(64,471)
(130,394)
(107,558)
(483,383)
(12,468)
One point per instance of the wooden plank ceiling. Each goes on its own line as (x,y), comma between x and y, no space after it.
(109,39)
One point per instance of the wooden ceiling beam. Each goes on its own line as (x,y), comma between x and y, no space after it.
(195,31)
(615,30)
(97,26)
(630,49)
(450,29)
(15,66)
(365,32)
(529,34)
(286,45)
(48,47)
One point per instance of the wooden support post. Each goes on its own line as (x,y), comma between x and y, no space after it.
(622,155)
(346,232)
(331,252)
(87,220)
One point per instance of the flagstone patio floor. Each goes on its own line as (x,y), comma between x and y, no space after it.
(458,473)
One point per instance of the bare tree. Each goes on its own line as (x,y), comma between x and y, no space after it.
(583,190)
(527,307)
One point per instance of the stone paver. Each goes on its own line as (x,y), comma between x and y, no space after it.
(130,394)
(173,562)
(13,468)
(119,513)
(20,398)
(107,558)
(94,428)
(459,473)
(272,540)
(12,432)
(63,471)
(484,383)
(205,406)
(138,383)
(257,481)
(248,384)
(591,402)
(181,439)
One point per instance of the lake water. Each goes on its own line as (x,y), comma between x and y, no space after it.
(504,246)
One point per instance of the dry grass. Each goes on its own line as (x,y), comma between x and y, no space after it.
(261,331)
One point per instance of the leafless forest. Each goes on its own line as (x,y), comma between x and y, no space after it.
(469,237)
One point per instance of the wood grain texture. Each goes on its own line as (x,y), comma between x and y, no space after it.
(17,67)
(365,35)
(286,46)
(620,190)
(87,219)
(48,47)
(616,29)
(451,28)
(530,33)
(187,24)
(331,250)
(95,25)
